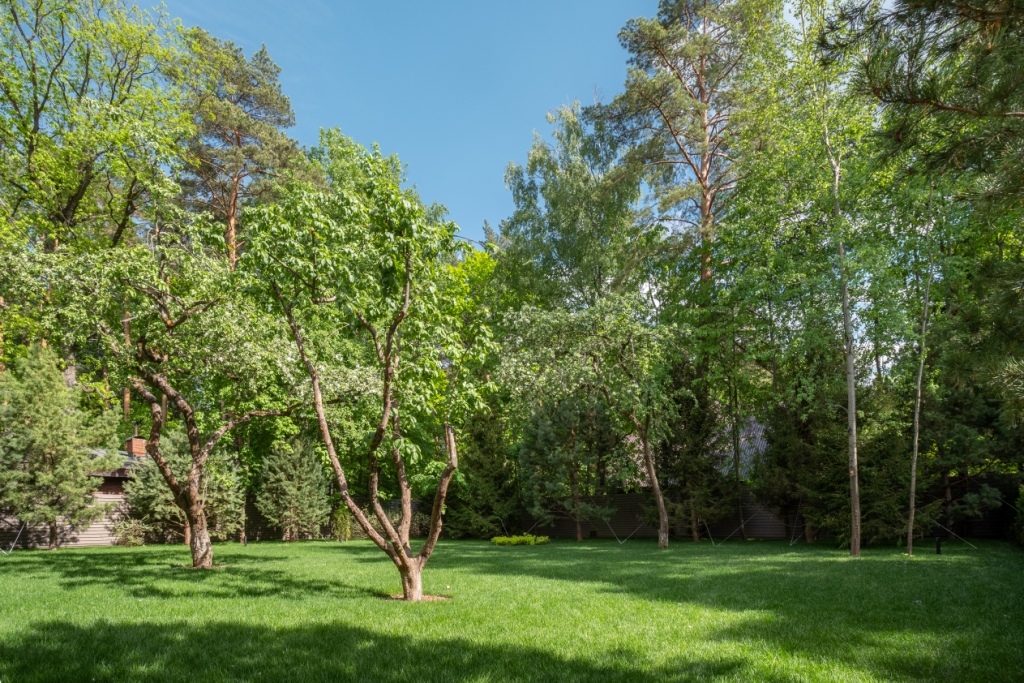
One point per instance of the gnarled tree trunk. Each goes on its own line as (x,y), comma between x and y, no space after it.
(199,543)
(412,580)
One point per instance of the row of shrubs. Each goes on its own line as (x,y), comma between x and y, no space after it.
(525,539)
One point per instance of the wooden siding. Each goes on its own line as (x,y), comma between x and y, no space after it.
(99,533)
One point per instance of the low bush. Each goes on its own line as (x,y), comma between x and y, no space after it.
(525,539)
(130,532)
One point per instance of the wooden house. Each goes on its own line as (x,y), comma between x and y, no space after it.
(100,532)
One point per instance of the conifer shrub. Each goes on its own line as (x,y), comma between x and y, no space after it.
(293,491)
(130,532)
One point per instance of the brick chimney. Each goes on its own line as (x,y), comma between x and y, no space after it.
(135,445)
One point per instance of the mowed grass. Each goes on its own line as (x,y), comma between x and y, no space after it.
(566,612)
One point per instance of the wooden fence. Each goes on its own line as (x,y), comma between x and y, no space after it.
(635,516)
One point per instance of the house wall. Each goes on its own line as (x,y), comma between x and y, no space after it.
(99,533)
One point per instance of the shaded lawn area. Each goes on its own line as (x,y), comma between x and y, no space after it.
(566,612)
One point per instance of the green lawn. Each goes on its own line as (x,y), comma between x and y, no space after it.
(595,611)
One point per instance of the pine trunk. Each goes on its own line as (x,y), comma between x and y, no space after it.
(54,535)
(3,368)
(231,231)
(126,394)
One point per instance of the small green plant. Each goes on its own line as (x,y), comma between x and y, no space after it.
(525,539)
(341,523)
(130,532)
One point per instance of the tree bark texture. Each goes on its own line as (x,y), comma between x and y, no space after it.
(231,230)
(199,543)
(412,581)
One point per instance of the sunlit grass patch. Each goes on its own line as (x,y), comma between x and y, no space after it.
(595,611)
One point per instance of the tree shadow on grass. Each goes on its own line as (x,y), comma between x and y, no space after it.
(156,573)
(53,651)
(957,617)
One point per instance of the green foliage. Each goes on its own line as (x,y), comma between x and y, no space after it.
(947,77)
(51,446)
(293,491)
(130,532)
(150,500)
(567,455)
(341,523)
(365,257)
(487,499)
(525,539)
(674,270)
(575,235)
(92,118)
(694,453)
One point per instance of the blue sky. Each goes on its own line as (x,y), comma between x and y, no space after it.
(456,88)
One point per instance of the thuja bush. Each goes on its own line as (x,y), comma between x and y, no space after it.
(341,524)
(525,539)
(130,532)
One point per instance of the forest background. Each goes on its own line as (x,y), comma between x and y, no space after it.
(799,216)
